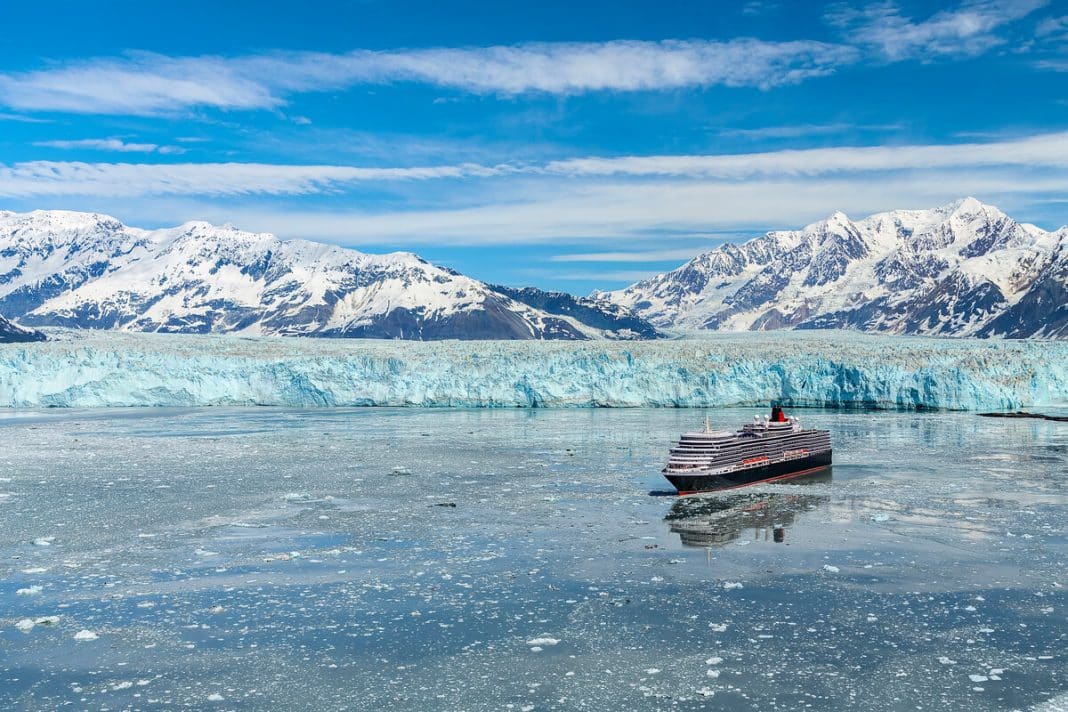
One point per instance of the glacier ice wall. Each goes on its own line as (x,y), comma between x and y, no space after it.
(102,369)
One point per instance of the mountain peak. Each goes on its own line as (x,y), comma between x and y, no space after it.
(954,270)
(84,270)
(969,206)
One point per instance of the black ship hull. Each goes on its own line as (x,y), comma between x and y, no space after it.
(688,483)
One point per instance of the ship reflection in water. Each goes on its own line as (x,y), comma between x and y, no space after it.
(714,520)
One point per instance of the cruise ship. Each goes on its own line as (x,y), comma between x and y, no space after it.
(766,450)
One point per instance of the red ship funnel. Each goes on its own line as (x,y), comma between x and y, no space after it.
(777,416)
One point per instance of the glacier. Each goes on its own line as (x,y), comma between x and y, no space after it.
(80,369)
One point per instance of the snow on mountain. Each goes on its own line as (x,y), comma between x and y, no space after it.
(13,333)
(107,368)
(86,270)
(964,269)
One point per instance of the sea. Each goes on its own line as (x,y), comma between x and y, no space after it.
(524,559)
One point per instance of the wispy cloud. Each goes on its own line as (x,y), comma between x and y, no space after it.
(22,119)
(1056,27)
(145,84)
(627,212)
(969,29)
(637,256)
(109,144)
(599,276)
(36,178)
(1049,151)
(802,130)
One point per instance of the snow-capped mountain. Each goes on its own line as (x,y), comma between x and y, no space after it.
(13,333)
(964,269)
(86,270)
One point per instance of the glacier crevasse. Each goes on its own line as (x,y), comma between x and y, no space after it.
(108,369)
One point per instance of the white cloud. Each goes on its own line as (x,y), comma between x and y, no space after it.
(145,84)
(1045,150)
(22,119)
(632,212)
(602,276)
(38,178)
(107,144)
(638,256)
(800,130)
(1056,27)
(967,30)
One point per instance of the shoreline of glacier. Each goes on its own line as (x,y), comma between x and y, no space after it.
(80,369)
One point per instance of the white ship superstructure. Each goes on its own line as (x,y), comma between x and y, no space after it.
(767,448)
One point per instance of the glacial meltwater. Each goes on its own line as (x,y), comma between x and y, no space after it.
(409,559)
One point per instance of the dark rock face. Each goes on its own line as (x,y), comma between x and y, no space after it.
(597,314)
(1042,312)
(13,333)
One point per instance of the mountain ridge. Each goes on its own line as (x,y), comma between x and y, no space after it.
(88,270)
(962,269)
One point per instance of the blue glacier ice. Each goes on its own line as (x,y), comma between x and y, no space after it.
(105,369)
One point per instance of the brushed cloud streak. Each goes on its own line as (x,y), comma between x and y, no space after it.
(147,84)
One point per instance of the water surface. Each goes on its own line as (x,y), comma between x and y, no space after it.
(526,560)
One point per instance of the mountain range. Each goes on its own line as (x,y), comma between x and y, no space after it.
(963,269)
(85,270)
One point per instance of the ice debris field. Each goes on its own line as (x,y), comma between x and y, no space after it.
(107,369)
(502,559)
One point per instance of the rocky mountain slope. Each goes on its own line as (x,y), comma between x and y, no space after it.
(86,270)
(964,269)
(13,333)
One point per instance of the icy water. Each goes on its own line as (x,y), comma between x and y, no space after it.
(524,560)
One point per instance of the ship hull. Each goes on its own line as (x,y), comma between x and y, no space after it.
(690,482)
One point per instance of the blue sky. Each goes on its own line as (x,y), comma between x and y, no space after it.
(569,145)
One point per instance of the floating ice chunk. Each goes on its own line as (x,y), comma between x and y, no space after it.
(122,685)
(217,609)
(946,661)
(30,591)
(706,692)
(713,673)
(718,627)
(25,625)
(714,660)
(85,635)
(35,570)
(205,552)
(652,671)
(215,697)
(729,585)
(880,517)
(44,541)
(543,641)
(400,471)
(978,678)
(831,569)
